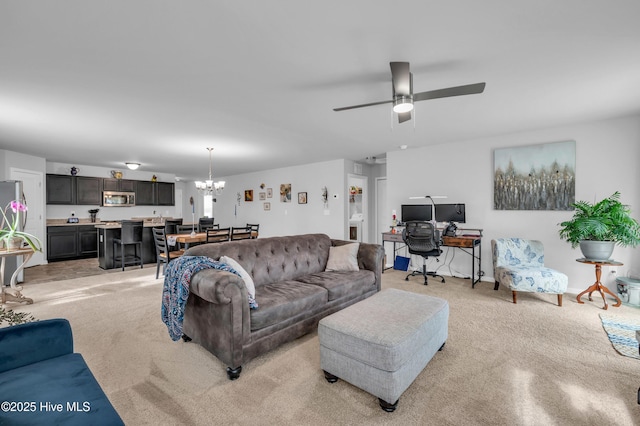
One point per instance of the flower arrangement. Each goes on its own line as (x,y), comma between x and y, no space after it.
(9,227)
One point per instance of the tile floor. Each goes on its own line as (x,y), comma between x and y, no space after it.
(57,271)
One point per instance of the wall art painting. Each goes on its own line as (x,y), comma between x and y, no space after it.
(285,192)
(535,177)
(248,195)
(302,198)
(262,195)
(267,206)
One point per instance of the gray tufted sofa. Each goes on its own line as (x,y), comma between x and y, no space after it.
(293,291)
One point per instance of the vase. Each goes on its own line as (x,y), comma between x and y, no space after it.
(597,250)
(14,243)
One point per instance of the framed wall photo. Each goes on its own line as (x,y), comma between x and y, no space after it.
(267,206)
(285,192)
(269,192)
(535,177)
(262,195)
(302,198)
(248,195)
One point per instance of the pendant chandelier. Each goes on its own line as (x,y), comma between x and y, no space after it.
(209,187)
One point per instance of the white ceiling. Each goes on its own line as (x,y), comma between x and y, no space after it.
(102,82)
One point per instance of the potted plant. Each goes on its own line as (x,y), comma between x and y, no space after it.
(598,227)
(10,236)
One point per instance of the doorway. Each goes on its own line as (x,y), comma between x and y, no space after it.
(33,189)
(358,217)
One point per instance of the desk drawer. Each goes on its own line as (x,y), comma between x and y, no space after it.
(460,241)
(388,236)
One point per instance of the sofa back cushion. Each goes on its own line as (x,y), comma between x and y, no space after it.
(274,259)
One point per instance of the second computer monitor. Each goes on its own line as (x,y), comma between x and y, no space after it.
(412,212)
(450,213)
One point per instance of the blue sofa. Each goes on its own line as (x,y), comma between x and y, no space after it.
(42,382)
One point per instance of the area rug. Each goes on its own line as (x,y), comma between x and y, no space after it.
(622,333)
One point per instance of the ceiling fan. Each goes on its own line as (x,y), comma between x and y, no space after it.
(403,96)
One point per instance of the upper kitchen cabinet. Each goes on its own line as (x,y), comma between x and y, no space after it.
(88,190)
(166,193)
(61,189)
(155,193)
(120,185)
(83,190)
(145,193)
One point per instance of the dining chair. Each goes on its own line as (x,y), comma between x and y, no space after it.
(163,255)
(240,233)
(253,228)
(204,222)
(186,229)
(218,235)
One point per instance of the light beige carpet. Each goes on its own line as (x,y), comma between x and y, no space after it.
(533,363)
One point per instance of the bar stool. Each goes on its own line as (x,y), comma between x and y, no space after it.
(130,234)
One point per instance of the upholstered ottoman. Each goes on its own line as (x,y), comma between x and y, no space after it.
(382,343)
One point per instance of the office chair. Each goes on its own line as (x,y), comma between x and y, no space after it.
(423,239)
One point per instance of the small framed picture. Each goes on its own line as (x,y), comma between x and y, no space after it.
(302,198)
(269,192)
(262,195)
(248,195)
(267,206)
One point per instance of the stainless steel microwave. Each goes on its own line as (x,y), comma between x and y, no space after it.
(118,199)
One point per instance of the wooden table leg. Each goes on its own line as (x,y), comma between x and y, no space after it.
(597,286)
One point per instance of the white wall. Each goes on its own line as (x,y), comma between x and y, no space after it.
(607,157)
(285,218)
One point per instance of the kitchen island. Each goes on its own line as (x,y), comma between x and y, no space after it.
(108,231)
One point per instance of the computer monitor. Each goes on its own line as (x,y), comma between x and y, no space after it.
(416,212)
(450,213)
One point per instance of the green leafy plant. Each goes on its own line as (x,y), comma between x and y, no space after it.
(10,224)
(10,317)
(606,220)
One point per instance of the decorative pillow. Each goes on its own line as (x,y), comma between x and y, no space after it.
(343,258)
(248,281)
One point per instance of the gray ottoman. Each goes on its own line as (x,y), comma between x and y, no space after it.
(382,343)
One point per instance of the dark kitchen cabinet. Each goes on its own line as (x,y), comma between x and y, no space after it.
(71,242)
(62,242)
(166,193)
(145,193)
(61,189)
(87,241)
(119,185)
(88,190)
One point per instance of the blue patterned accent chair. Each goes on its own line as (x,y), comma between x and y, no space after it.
(519,264)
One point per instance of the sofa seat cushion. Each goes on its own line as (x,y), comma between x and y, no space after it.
(284,300)
(64,380)
(342,284)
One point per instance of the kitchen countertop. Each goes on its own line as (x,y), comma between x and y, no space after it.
(113,224)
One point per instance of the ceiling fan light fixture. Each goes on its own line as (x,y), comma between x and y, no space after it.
(132,166)
(402,104)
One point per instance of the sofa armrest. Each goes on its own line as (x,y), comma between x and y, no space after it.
(217,286)
(370,257)
(33,342)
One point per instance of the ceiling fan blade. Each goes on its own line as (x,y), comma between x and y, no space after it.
(469,89)
(401,77)
(362,106)
(404,116)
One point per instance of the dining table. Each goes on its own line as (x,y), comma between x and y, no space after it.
(194,238)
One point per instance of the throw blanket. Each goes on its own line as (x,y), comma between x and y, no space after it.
(177,279)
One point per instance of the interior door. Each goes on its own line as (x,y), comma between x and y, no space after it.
(33,188)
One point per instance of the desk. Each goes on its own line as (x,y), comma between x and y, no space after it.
(597,286)
(16,296)
(468,243)
(461,243)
